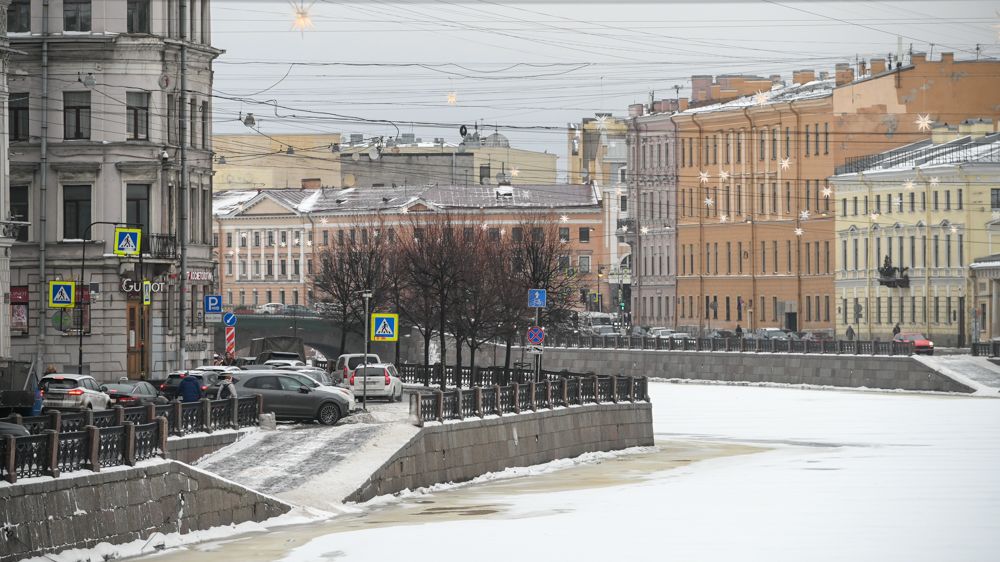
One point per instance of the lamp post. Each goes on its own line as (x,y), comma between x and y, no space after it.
(367,295)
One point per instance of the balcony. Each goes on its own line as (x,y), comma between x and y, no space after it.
(160,246)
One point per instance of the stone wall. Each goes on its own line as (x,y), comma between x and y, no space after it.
(120,506)
(867,371)
(457,452)
(191,448)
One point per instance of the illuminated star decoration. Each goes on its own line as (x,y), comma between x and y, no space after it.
(303,20)
(786,163)
(324,220)
(624,228)
(899,200)
(935,181)
(923,122)
(799,231)
(804,215)
(760,98)
(564,218)
(723,175)
(709,202)
(452,98)
(827,192)
(602,122)
(485,226)
(954,229)
(644,230)
(405,210)
(723,217)
(908,184)
(703,177)
(515,172)
(875,216)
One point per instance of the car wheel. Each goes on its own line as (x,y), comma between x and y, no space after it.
(329,414)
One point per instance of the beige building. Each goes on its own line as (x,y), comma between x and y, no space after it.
(910,223)
(596,149)
(256,161)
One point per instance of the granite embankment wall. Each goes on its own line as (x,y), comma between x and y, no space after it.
(461,451)
(868,371)
(120,506)
(190,448)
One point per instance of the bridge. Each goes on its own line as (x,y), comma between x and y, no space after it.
(321,334)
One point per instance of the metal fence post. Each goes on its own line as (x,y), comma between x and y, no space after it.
(479,400)
(53,452)
(178,412)
(565,391)
(496,402)
(548,394)
(439,404)
(234,404)
(458,403)
(150,413)
(164,434)
(532,393)
(631,389)
(119,415)
(597,390)
(94,442)
(55,420)
(10,455)
(129,452)
(206,415)
(517,399)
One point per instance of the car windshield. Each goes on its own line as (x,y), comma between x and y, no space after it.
(353,362)
(58,384)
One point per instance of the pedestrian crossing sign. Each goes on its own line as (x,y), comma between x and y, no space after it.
(62,294)
(128,241)
(385,327)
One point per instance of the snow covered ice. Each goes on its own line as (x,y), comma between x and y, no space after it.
(796,475)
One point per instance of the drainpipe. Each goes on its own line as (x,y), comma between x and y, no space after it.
(753,222)
(701,228)
(182,217)
(868,260)
(43,189)
(798,209)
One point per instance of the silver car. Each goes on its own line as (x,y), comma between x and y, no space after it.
(377,381)
(288,398)
(72,392)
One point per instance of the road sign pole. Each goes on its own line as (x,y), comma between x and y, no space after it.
(538,356)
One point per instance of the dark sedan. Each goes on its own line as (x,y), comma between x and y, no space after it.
(209,383)
(133,393)
(288,398)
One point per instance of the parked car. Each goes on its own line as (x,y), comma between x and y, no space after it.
(133,393)
(209,383)
(320,375)
(604,330)
(218,369)
(377,381)
(288,398)
(772,334)
(660,332)
(721,334)
(347,362)
(298,310)
(679,336)
(284,363)
(13,430)
(311,382)
(270,308)
(72,392)
(920,342)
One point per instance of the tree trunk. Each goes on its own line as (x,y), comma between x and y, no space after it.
(506,360)
(343,334)
(457,375)
(442,336)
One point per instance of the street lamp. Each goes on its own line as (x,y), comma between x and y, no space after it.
(367,295)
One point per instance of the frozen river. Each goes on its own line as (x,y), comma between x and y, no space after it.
(741,473)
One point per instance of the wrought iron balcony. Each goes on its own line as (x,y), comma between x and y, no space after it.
(161,246)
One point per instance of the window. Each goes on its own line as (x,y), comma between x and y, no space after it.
(256,239)
(584,264)
(484,174)
(518,234)
(826,138)
(296,267)
(243,270)
(204,124)
(76,211)
(76,115)
(854,206)
(961,251)
(269,271)
(843,255)
(229,239)
(137,16)
(959,202)
(281,296)
(937,250)
(171,120)
(947,250)
(19,207)
(947,200)
(762,149)
(137,205)
(18,126)
(807,141)
(137,115)
(76,15)
(934,198)
(283,267)
(19,16)
(256,268)
(843,207)
(816,139)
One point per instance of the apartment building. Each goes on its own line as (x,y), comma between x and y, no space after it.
(107,126)
(255,161)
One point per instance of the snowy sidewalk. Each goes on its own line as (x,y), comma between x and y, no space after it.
(976,372)
(314,465)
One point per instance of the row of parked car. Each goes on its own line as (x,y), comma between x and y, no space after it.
(289,388)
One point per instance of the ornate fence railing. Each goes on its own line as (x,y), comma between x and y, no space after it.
(480,401)
(742,345)
(986,349)
(61,443)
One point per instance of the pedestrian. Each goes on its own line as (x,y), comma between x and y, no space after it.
(850,333)
(226,387)
(739,331)
(189,389)
(896,330)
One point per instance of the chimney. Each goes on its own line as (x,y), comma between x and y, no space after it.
(976,128)
(803,76)
(776,79)
(918,58)
(824,75)
(683,104)
(878,66)
(658,107)
(312,183)
(635,110)
(948,57)
(701,87)
(844,73)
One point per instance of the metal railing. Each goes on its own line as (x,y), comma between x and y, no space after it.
(61,443)
(430,375)
(515,398)
(986,349)
(741,345)
(161,246)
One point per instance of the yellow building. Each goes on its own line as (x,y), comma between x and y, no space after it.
(256,161)
(596,149)
(909,224)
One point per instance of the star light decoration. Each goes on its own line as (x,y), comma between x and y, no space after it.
(996,215)
(923,122)
(723,218)
(954,229)
(602,122)
(723,175)
(644,230)
(874,216)
(703,177)
(515,172)
(303,19)
(324,220)
(760,98)
(484,226)
(827,192)
(804,215)
(908,185)
(709,202)
(564,219)
(799,231)
(452,98)
(786,163)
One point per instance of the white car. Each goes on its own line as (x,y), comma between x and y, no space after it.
(660,332)
(347,362)
(679,336)
(72,392)
(284,363)
(217,369)
(270,308)
(377,381)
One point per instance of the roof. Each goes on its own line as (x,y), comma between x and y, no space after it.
(334,201)
(777,94)
(925,154)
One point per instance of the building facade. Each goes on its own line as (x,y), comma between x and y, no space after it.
(256,161)
(911,225)
(270,241)
(104,118)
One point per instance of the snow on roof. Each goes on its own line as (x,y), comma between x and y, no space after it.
(777,94)
(225,202)
(925,154)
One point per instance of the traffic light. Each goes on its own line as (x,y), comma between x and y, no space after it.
(621,305)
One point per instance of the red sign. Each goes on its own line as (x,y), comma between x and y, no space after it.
(19,294)
(536,335)
(231,340)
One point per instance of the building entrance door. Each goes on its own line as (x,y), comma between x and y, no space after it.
(792,321)
(135,341)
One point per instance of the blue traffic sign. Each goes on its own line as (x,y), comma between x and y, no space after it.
(213,304)
(536,298)
(536,335)
(229,319)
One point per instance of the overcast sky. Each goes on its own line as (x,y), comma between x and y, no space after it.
(531,67)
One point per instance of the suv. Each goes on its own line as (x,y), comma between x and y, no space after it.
(270,308)
(377,381)
(72,392)
(209,383)
(348,362)
(286,396)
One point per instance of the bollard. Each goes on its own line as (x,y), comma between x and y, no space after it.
(260,404)
(88,418)
(10,455)
(498,407)
(164,434)
(415,415)
(53,451)
(150,413)
(548,394)
(94,443)
(206,415)
(517,398)
(128,455)
(532,393)
(631,389)
(565,392)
